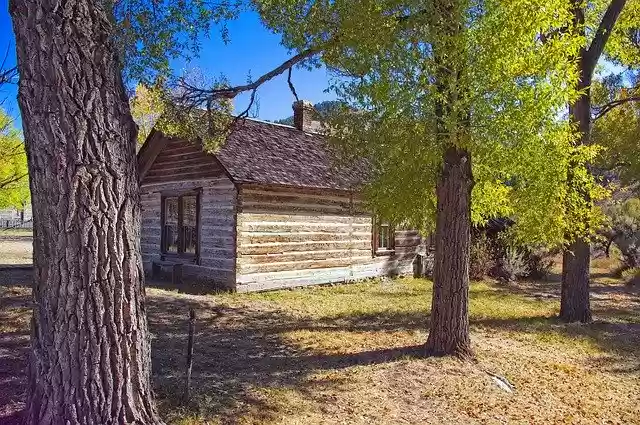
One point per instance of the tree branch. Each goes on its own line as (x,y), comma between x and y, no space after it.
(291,87)
(602,110)
(7,75)
(232,92)
(602,34)
(244,114)
(194,94)
(545,38)
(13,179)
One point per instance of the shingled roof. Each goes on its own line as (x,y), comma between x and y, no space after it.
(273,154)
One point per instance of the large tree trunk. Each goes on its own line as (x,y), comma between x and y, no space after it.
(574,302)
(575,274)
(90,349)
(449,330)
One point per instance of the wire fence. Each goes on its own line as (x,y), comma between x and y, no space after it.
(15,223)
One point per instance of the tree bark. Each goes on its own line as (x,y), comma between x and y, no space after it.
(90,349)
(449,329)
(574,301)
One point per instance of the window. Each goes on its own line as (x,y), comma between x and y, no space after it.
(180,224)
(384,238)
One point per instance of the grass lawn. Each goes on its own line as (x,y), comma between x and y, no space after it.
(352,354)
(16,232)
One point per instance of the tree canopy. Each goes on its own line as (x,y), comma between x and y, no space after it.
(617,126)
(146,107)
(506,91)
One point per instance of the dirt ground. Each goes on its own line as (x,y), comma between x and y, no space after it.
(16,247)
(352,354)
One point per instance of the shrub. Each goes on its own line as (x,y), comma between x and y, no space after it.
(631,276)
(539,263)
(481,257)
(624,230)
(512,265)
(498,254)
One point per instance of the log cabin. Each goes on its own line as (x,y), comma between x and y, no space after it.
(272,208)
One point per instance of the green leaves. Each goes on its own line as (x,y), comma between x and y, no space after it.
(623,47)
(168,110)
(618,130)
(418,76)
(14,181)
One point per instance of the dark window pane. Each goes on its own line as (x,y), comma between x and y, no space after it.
(189,223)
(170,225)
(189,213)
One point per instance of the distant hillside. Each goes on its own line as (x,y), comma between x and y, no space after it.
(322,108)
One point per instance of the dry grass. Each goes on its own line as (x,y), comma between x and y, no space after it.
(16,246)
(352,354)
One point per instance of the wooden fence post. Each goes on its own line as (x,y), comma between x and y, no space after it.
(192,325)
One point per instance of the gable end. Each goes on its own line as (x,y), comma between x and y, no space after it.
(177,160)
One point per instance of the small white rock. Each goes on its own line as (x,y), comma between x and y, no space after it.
(502,383)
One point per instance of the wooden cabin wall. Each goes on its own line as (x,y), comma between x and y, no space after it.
(181,167)
(294,237)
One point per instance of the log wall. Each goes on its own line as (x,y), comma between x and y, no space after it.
(181,167)
(181,161)
(294,237)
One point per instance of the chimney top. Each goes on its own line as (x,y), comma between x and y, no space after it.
(303,117)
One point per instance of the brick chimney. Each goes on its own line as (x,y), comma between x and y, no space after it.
(303,117)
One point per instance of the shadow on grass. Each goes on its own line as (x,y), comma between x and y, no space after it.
(242,361)
(15,312)
(550,289)
(244,364)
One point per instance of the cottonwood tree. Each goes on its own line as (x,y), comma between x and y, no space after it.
(90,348)
(146,106)
(458,111)
(609,30)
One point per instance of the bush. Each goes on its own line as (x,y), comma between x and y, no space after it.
(498,255)
(631,276)
(624,230)
(481,257)
(539,263)
(512,265)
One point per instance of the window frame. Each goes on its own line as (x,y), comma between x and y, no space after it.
(163,238)
(382,251)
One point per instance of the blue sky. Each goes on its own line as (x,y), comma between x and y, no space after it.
(253,50)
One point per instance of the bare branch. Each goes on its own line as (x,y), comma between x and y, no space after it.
(232,92)
(602,110)
(7,75)
(291,87)
(244,114)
